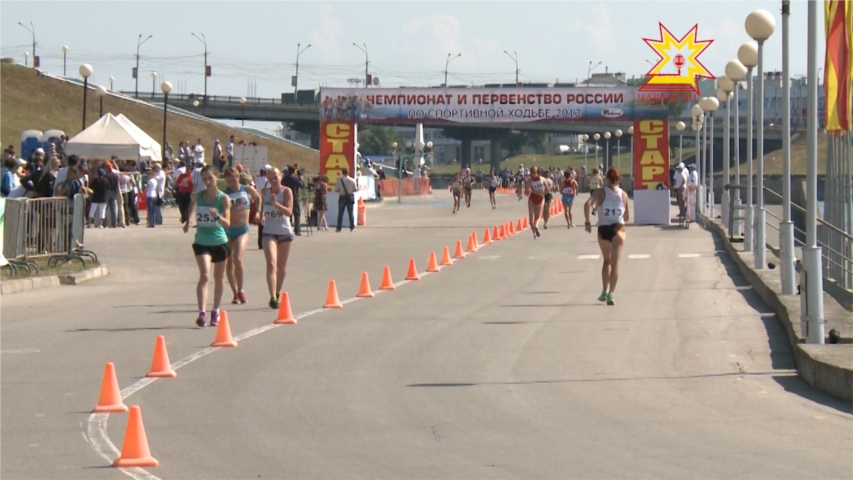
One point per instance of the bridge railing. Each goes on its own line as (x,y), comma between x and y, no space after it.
(216,99)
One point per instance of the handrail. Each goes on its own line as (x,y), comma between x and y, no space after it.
(820,220)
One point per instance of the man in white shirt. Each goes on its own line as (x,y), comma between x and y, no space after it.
(345,187)
(229,151)
(678,185)
(198,185)
(692,189)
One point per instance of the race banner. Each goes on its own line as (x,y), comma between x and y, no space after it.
(651,155)
(485,105)
(337,149)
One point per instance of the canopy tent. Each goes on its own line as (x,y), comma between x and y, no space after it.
(114,136)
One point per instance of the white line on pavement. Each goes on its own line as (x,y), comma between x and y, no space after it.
(589,257)
(638,256)
(688,255)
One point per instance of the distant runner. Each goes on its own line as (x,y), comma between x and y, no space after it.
(612,203)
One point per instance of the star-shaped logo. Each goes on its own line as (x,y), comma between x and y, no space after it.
(680,56)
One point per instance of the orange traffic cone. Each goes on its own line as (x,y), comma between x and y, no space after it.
(432,266)
(285,314)
(364,289)
(511,229)
(134,450)
(502,232)
(413,271)
(459,253)
(496,234)
(518,228)
(487,239)
(332,300)
(160,365)
(471,247)
(387,284)
(526,224)
(445,258)
(223,332)
(476,243)
(110,399)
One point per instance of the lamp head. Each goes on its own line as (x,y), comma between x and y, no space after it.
(195,103)
(64,48)
(596,137)
(711,104)
(760,25)
(607,135)
(725,83)
(429,144)
(112,78)
(393,144)
(153,75)
(101,91)
(85,70)
(680,126)
(631,130)
(697,111)
(166,87)
(585,137)
(723,95)
(242,100)
(618,133)
(735,71)
(748,54)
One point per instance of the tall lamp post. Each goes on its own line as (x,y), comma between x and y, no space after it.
(112,79)
(203,41)
(725,96)
(280,129)
(514,59)
(366,58)
(760,25)
(618,134)
(711,106)
(607,150)
(165,87)
(85,72)
(33,33)
(399,171)
(243,111)
(736,71)
(786,227)
(136,70)
(26,59)
(64,58)
(596,137)
(748,56)
(631,133)
(446,63)
(680,126)
(698,115)
(585,149)
(101,91)
(296,77)
(153,84)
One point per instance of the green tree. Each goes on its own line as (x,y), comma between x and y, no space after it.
(377,140)
(536,140)
(514,142)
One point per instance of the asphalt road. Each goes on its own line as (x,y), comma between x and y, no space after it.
(501,366)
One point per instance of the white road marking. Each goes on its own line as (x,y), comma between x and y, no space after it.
(490,257)
(23,350)
(638,256)
(537,258)
(96,429)
(688,255)
(589,257)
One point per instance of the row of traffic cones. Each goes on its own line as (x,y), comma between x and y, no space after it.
(135,451)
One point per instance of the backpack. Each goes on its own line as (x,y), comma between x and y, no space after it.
(185,182)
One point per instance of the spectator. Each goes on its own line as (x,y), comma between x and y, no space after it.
(45,186)
(152,200)
(218,157)
(98,208)
(7,176)
(229,149)
(198,155)
(345,187)
(320,207)
(183,193)
(160,175)
(112,195)
(128,188)
(294,182)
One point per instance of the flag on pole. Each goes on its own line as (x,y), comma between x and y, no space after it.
(838,68)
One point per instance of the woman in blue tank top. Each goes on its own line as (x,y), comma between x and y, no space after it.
(211,210)
(241,197)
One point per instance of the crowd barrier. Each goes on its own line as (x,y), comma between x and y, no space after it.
(410,186)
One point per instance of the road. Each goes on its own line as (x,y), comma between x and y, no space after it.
(501,366)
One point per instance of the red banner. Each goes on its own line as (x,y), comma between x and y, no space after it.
(337,149)
(651,154)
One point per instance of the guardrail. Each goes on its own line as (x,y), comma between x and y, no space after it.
(220,99)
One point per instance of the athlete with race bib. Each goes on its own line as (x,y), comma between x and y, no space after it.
(570,191)
(612,204)
(276,207)
(238,232)
(536,201)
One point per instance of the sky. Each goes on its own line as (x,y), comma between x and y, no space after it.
(253,45)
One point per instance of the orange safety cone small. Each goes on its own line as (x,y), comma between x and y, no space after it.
(285,314)
(364,288)
(445,258)
(413,271)
(476,243)
(110,400)
(387,284)
(496,234)
(332,300)
(459,253)
(487,239)
(160,365)
(502,232)
(223,332)
(519,228)
(471,248)
(432,266)
(511,229)
(134,449)
(526,223)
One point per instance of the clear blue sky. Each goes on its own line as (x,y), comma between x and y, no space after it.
(408,42)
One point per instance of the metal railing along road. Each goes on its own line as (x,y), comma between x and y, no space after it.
(220,99)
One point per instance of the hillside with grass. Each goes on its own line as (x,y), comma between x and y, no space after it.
(31,102)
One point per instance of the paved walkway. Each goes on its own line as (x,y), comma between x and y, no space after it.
(502,365)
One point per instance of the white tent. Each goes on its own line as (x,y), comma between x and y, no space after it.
(114,136)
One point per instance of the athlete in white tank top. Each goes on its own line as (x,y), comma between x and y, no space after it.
(612,209)
(612,213)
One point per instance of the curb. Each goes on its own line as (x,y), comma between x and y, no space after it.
(814,362)
(9,287)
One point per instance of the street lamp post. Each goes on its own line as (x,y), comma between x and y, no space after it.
(786,227)
(153,84)
(596,137)
(429,147)
(736,71)
(26,59)
(631,133)
(33,33)
(589,71)
(111,79)
(585,149)
(748,56)
(698,115)
(280,129)
(618,134)
(243,111)
(101,91)
(711,106)
(165,87)
(296,77)
(760,25)
(203,41)
(366,58)
(446,63)
(607,150)
(725,96)
(64,58)
(136,70)
(680,126)
(85,72)
(514,59)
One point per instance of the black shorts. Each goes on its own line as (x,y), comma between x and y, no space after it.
(548,197)
(607,232)
(218,253)
(492,189)
(279,238)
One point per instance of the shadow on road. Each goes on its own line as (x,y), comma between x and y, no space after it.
(797,386)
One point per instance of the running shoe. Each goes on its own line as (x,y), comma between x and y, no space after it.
(603,296)
(214,318)
(242,297)
(236,299)
(273,302)
(200,320)
(610,299)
